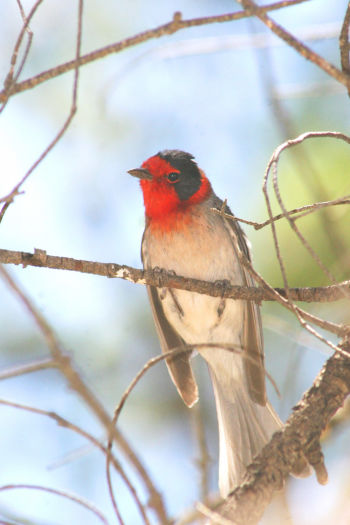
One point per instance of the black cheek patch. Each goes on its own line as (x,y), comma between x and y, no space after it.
(187,186)
(190,177)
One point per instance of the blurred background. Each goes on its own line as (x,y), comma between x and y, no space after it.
(229,94)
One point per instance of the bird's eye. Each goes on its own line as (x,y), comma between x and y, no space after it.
(173,177)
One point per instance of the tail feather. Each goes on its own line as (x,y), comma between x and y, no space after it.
(244,426)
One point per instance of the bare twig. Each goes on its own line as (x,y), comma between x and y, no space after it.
(344,44)
(286,213)
(68,120)
(62,422)
(12,78)
(192,515)
(166,29)
(237,349)
(207,45)
(78,385)
(301,314)
(15,371)
(304,164)
(203,460)
(78,430)
(301,48)
(63,494)
(150,363)
(215,517)
(273,165)
(299,212)
(111,492)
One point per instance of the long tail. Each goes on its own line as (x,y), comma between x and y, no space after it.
(244,426)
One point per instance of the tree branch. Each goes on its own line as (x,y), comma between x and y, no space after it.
(161,278)
(341,76)
(63,494)
(166,29)
(298,213)
(68,120)
(78,385)
(301,435)
(34,366)
(62,422)
(12,77)
(344,44)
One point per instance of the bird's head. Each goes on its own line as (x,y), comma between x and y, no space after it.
(171,182)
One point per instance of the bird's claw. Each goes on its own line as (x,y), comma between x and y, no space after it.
(222,284)
(162,275)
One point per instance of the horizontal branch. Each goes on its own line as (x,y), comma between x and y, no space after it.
(301,434)
(300,212)
(161,278)
(166,29)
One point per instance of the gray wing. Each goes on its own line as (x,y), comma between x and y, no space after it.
(252,338)
(179,367)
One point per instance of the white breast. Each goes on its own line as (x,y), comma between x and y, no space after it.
(208,256)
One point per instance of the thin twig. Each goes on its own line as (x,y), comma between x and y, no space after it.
(286,214)
(192,515)
(236,349)
(12,78)
(296,230)
(304,165)
(78,430)
(63,494)
(301,48)
(15,371)
(78,385)
(301,212)
(344,44)
(215,518)
(203,460)
(72,112)
(301,315)
(150,363)
(169,28)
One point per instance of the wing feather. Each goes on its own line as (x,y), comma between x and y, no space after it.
(179,367)
(252,338)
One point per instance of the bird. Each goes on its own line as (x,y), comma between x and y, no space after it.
(185,236)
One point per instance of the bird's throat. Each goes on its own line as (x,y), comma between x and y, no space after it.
(175,220)
(165,210)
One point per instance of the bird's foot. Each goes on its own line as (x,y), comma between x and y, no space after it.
(162,276)
(222,285)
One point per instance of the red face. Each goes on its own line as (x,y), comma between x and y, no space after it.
(174,185)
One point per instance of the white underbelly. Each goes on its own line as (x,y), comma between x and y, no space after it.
(199,318)
(195,317)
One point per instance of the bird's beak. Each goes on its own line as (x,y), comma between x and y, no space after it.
(141,173)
